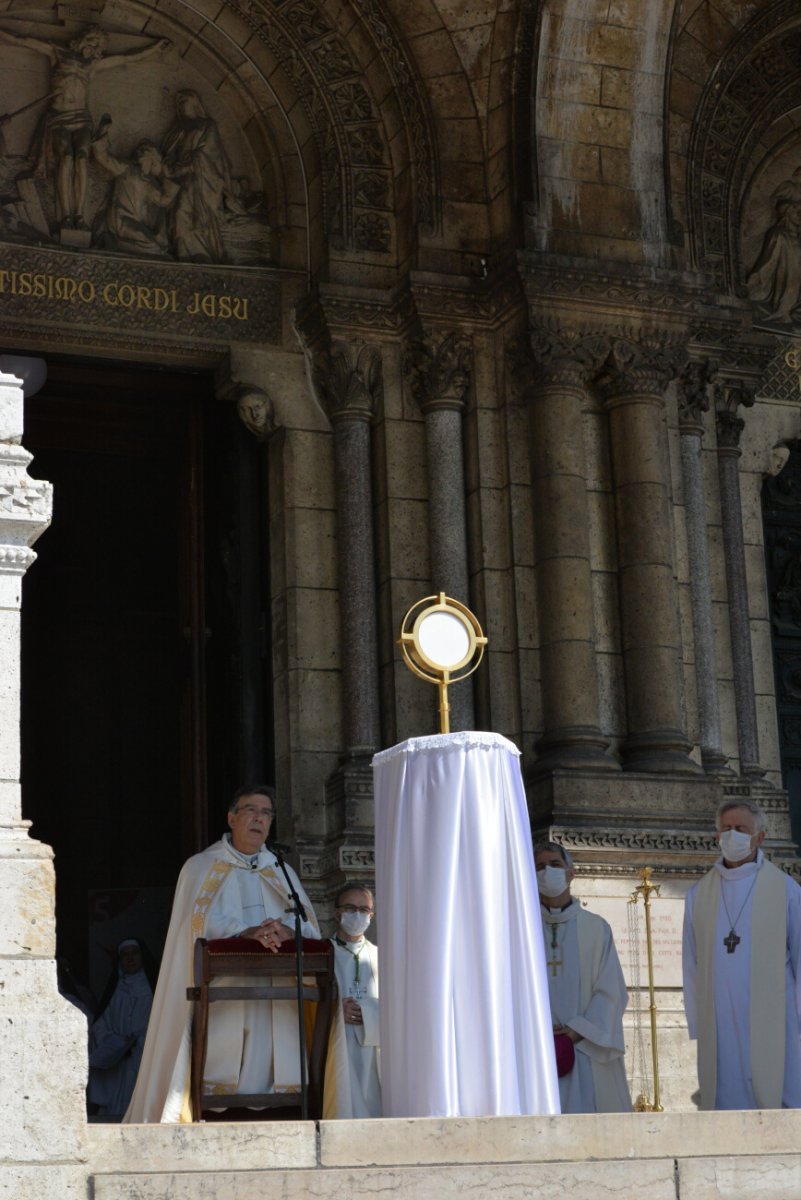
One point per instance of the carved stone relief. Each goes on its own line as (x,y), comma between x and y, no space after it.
(83,165)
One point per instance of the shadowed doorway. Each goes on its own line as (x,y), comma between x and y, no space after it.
(146,680)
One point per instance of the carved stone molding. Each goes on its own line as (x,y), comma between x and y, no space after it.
(615,294)
(650,842)
(483,301)
(438,367)
(344,311)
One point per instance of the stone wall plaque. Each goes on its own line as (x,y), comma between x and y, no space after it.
(667,915)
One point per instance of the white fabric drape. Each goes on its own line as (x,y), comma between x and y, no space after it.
(465,1017)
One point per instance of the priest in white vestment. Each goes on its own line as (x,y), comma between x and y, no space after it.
(587,990)
(353,1078)
(235,888)
(742,971)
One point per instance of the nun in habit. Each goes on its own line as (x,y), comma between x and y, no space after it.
(117,1037)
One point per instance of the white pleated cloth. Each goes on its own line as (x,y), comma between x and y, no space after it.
(465,1016)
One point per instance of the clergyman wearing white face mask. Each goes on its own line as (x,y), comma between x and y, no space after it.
(586,989)
(356,1090)
(742,971)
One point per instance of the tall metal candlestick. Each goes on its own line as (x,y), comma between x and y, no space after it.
(647,889)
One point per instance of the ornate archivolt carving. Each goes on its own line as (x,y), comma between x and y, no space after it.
(743,192)
(350,135)
(438,367)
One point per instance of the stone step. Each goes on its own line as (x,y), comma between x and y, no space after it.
(664,1156)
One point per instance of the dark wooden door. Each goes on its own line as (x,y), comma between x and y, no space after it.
(114,632)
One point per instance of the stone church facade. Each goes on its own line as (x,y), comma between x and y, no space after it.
(501,300)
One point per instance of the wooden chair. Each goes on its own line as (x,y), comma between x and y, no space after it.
(245,957)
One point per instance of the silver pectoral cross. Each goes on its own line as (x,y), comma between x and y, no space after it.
(731,942)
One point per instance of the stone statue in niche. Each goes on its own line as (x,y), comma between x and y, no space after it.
(60,148)
(774,281)
(133,220)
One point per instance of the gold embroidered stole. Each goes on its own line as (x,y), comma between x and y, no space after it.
(767,984)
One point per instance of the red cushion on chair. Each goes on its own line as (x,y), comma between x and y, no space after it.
(237,945)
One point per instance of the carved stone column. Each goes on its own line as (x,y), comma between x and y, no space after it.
(557,398)
(42,1110)
(440,368)
(728,398)
(350,381)
(632,382)
(693,402)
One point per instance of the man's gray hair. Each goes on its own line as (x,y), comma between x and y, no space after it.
(751,805)
(565,855)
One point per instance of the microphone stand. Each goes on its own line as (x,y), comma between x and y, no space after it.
(300,915)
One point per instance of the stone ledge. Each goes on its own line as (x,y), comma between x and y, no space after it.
(580,1181)
(606,1136)
(267,1145)
(738,1177)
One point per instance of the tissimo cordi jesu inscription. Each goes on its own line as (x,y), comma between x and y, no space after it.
(71,289)
(165,301)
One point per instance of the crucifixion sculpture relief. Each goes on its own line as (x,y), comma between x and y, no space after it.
(60,147)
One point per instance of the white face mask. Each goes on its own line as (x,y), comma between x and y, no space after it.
(354,924)
(735,846)
(552,881)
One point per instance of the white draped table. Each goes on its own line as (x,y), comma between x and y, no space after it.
(465,1018)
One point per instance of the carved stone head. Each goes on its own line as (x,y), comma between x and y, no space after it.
(91,43)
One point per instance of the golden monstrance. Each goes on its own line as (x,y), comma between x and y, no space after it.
(443,643)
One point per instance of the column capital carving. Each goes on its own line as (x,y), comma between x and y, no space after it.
(730,394)
(25,508)
(567,354)
(438,366)
(636,363)
(347,376)
(693,395)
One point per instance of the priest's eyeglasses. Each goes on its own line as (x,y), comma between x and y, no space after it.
(253,810)
(359,908)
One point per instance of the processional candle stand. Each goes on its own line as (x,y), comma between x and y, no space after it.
(647,889)
(442,642)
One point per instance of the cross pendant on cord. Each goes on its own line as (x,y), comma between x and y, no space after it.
(557,962)
(731,942)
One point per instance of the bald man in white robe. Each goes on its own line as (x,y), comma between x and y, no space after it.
(587,990)
(742,971)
